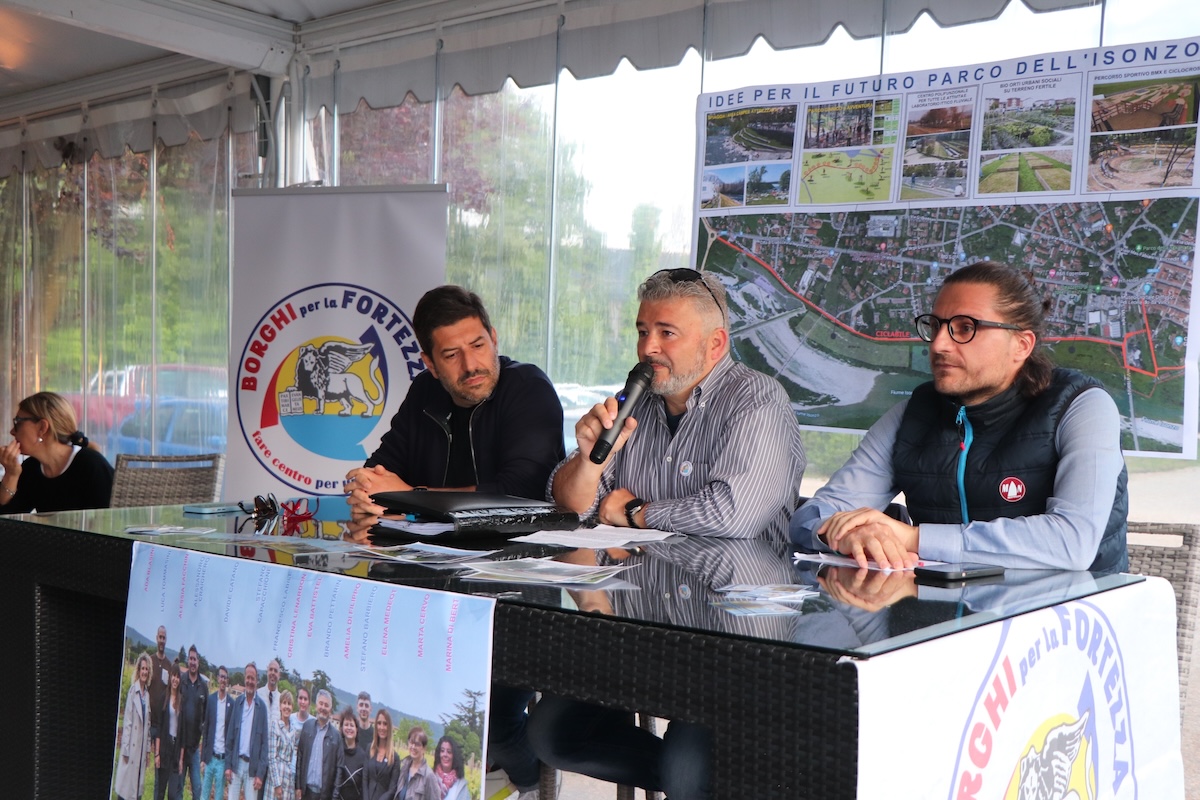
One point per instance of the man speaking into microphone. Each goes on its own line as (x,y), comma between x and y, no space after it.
(712,449)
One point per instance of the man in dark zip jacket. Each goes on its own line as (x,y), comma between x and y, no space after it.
(1001,458)
(473,421)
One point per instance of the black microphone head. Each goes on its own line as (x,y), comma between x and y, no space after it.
(639,381)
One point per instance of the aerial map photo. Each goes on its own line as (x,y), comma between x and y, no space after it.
(825,301)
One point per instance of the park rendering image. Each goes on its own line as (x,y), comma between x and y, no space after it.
(1010,173)
(846,176)
(759,134)
(1143,134)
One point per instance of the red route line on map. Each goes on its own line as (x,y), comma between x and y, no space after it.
(801,297)
(1150,338)
(1094,340)
(872,171)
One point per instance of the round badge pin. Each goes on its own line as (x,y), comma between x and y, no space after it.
(685,468)
(1012,489)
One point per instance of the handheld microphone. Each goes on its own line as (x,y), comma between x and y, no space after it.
(638,382)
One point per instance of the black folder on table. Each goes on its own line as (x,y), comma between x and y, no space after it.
(472,513)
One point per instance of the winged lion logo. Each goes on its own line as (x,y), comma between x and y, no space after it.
(1047,775)
(321,374)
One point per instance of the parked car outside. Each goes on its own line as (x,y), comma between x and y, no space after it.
(576,401)
(115,393)
(182,427)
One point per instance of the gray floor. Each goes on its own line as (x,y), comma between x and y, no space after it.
(577,787)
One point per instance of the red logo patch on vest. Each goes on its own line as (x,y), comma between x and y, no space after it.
(1012,489)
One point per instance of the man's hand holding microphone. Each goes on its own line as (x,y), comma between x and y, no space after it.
(599,433)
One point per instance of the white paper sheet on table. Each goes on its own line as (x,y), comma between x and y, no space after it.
(427,554)
(537,570)
(597,538)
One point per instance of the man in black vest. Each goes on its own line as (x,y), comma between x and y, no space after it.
(160,671)
(1002,458)
(193,693)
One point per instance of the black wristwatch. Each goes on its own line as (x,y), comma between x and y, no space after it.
(632,508)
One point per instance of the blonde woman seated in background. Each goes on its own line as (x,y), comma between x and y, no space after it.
(61,470)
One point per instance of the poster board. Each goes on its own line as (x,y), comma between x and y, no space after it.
(1077,700)
(832,211)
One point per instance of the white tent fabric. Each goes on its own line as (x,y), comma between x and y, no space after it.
(786,24)
(529,46)
(477,51)
(204,108)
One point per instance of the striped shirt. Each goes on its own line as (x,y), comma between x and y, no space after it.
(680,580)
(732,469)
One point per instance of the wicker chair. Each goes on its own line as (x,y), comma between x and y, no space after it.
(167,480)
(1172,551)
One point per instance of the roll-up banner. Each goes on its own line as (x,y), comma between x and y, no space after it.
(322,346)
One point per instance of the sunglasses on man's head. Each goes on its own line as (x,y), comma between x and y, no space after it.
(688,275)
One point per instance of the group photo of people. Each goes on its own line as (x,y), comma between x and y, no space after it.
(193,729)
(371,692)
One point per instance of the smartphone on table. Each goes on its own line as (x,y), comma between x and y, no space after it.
(962,571)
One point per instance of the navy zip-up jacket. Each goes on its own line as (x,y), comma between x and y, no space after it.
(516,434)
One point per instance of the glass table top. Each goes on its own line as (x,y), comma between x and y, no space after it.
(701,584)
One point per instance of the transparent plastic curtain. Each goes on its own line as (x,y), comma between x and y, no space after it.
(115,283)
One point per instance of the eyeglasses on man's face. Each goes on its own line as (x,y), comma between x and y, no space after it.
(961,328)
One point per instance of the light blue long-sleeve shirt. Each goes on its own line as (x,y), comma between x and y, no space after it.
(1066,536)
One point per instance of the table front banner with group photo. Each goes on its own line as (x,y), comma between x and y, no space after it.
(422,655)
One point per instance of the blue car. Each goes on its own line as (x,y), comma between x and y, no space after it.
(183,427)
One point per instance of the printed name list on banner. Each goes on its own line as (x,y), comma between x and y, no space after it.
(423,656)
(832,212)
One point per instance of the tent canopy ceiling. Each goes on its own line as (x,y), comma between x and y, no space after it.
(59,53)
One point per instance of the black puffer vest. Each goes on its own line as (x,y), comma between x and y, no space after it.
(1010,437)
